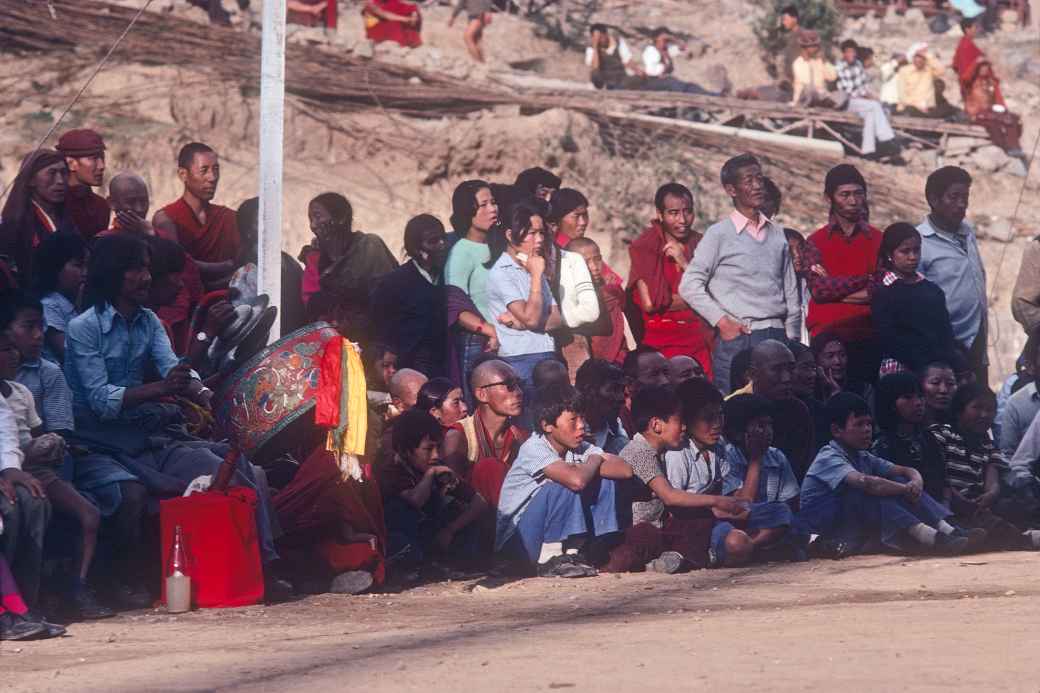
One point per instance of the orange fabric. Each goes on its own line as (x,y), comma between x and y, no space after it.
(217,241)
(330,380)
(487,477)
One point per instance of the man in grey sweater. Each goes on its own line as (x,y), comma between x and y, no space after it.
(741,279)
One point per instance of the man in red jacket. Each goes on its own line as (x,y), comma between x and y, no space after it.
(658,259)
(847,249)
(84,152)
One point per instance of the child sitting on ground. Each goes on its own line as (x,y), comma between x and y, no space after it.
(556,485)
(699,468)
(903,439)
(429,511)
(850,496)
(61,272)
(44,456)
(761,475)
(974,471)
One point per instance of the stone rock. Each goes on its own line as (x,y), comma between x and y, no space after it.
(1000,230)
(363,49)
(989,158)
(957,146)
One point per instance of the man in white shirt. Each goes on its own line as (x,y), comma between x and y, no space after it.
(659,66)
(610,61)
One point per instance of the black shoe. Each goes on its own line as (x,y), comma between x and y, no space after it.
(86,606)
(835,549)
(565,567)
(949,544)
(277,590)
(53,629)
(15,627)
(130,596)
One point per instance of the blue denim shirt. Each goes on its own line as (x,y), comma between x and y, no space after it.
(959,272)
(105,354)
(776,481)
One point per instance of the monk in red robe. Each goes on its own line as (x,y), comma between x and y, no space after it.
(208,232)
(393,20)
(659,257)
(84,153)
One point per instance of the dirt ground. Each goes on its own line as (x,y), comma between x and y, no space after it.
(867,623)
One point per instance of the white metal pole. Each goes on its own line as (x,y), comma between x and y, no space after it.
(272,134)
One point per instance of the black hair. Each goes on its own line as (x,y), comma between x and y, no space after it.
(740,411)
(13,302)
(594,373)
(375,353)
(514,232)
(433,393)
(738,369)
(659,31)
(894,236)
(967,23)
(416,228)
(247,220)
(843,405)
(940,180)
(411,427)
(1029,352)
(731,169)
(551,402)
(696,394)
(113,256)
(53,253)
(889,389)
(168,257)
(790,11)
(529,180)
(187,154)
(848,43)
(675,190)
(593,28)
(630,366)
(549,372)
(655,402)
(337,206)
(821,340)
(938,365)
(563,202)
(797,348)
(464,204)
(965,395)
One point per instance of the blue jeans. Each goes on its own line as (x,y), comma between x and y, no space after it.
(524,365)
(724,351)
(852,514)
(556,513)
(468,348)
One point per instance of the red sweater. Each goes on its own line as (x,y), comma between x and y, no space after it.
(849,261)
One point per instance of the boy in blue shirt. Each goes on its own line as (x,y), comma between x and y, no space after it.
(849,495)
(560,492)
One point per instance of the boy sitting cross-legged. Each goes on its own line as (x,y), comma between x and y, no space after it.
(850,496)
(557,486)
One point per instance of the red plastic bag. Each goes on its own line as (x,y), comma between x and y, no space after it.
(222,545)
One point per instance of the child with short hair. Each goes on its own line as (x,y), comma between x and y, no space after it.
(699,468)
(761,475)
(975,470)
(428,510)
(61,272)
(850,496)
(903,439)
(556,488)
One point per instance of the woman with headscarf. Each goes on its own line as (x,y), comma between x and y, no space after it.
(474,211)
(35,209)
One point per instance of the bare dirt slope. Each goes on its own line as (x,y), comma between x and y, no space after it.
(869,623)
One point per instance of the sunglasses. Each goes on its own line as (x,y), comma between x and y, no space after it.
(513,385)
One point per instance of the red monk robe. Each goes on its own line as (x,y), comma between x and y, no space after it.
(89,211)
(217,241)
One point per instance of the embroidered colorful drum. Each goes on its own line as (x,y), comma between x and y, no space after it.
(272,389)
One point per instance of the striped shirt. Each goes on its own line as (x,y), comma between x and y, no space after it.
(967,461)
(51,392)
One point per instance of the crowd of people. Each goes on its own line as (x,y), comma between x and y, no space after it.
(526,410)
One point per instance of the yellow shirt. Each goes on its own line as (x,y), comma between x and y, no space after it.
(811,77)
(917,87)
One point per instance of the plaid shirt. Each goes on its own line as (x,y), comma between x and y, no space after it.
(831,289)
(852,79)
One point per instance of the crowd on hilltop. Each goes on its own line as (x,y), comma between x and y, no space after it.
(746,394)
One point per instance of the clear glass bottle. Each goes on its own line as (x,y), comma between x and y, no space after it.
(178,581)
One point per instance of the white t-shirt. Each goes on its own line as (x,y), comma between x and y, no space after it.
(653,63)
(24,409)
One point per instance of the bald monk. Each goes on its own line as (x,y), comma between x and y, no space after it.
(84,153)
(403,389)
(682,368)
(482,447)
(129,199)
(208,232)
